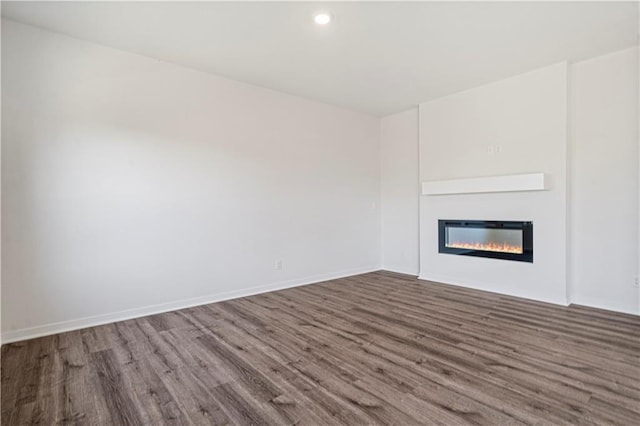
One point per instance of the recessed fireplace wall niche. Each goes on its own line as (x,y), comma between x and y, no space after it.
(508,240)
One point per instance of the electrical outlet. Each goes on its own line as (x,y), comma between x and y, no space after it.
(278,265)
(494,149)
(636,281)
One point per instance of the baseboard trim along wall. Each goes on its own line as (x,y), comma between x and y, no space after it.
(476,285)
(400,270)
(479,286)
(80,323)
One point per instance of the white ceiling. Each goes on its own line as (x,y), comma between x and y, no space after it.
(378,58)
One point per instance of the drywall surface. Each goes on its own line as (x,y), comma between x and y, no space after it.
(603,122)
(513,126)
(0,199)
(130,185)
(400,192)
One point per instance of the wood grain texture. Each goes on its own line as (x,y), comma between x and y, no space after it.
(378,348)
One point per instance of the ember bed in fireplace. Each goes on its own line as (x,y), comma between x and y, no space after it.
(508,240)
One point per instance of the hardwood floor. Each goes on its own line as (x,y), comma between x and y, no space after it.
(379,348)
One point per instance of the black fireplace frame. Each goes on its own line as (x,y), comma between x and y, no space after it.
(527,238)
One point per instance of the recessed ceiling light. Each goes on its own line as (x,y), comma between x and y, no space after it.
(322,18)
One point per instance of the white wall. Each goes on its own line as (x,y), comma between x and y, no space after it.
(400,192)
(602,165)
(526,116)
(604,181)
(132,185)
(0,193)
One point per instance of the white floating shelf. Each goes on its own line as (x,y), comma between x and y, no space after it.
(511,183)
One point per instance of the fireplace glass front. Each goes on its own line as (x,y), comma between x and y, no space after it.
(509,240)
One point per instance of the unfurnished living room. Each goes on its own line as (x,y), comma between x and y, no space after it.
(320,213)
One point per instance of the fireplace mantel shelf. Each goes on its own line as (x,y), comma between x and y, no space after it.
(510,183)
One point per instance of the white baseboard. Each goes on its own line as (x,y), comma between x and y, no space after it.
(485,287)
(606,306)
(400,270)
(476,285)
(76,324)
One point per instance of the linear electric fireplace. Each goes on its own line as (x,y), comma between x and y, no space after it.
(508,240)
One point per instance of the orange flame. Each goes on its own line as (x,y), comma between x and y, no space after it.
(497,247)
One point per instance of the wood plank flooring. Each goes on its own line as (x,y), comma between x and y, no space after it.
(378,348)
